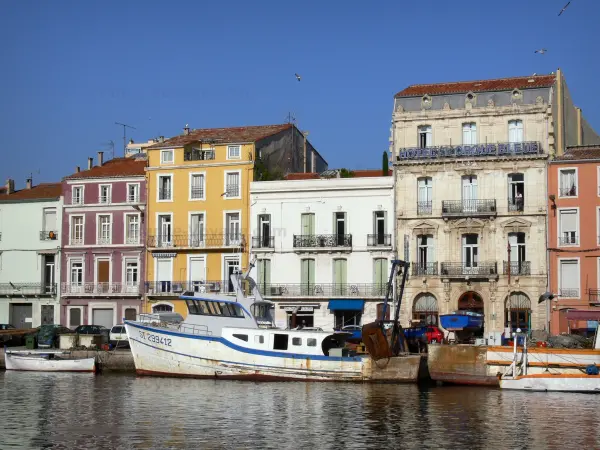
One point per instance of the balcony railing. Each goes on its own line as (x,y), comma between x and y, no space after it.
(197,193)
(76,241)
(517,267)
(195,240)
(515,204)
(594,296)
(158,288)
(27,289)
(322,240)
(103,289)
(199,155)
(424,269)
(424,208)
(132,240)
(379,240)
(480,269)
(103,240)
(133,198)
(568,192)
(263,242)
(324,290)
(469,208)
(568,239)
(164,194)
(48,235)
(569,292)
(509,149)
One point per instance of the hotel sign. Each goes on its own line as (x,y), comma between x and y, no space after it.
(469,151)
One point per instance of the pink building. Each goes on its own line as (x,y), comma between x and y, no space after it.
(103,242)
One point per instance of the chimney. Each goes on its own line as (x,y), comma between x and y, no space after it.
(77,169)
(100,158)
(10,186)
(161,139)
(28,183)
(90,163)
(186,130)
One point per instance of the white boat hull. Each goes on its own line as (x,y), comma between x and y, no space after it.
(553,382)
(166,352)
(39,364)
(543,358)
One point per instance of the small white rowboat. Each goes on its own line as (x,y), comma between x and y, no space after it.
(47,361)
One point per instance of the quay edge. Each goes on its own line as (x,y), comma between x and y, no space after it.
(460,364)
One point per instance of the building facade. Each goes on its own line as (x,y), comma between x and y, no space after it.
(199,204)
(30,240)
(323,247)
(103,242)
(574,237)
(470,166)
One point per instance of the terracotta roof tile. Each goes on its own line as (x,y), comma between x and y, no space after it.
(499,84)
(118,167)
(39,192)
(580,153)
(224,135)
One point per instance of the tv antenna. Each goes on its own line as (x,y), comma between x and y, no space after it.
(111,144)
(125,126)
(290,118)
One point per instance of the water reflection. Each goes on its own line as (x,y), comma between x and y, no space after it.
(86,411)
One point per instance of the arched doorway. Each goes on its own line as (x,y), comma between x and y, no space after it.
(471,301)
(425,310)
(517,312)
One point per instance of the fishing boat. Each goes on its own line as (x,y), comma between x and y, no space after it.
(47,361)
(461,320)
(518,377)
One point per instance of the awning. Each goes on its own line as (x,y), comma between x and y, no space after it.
(346,305)
(580,314)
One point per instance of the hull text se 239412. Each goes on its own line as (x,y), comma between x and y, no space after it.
(154,338)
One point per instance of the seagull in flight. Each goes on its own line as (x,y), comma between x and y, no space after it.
(565,7)
(541,51)
(297,76)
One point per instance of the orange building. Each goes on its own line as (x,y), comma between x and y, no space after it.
(574,236)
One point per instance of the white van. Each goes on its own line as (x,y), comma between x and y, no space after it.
(118,336)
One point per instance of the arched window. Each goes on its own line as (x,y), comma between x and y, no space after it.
(425,310)
(518,311)
(162,308)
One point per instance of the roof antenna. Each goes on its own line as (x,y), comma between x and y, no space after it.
(125,126)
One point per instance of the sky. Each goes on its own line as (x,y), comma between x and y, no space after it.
(70,69)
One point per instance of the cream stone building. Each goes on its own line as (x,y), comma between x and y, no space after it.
(471,199)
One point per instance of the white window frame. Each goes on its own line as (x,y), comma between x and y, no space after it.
(158,177)
(561,169)
(225,257)
(108,195)
(110,228)
(560,260)
(472,130)
(516,121)
(81,317)
(159,230)
(110,270)
(204,234)
(191,177)
(577,231)
(126,228)
(239,196)
(426,129)
(45,211)
(239,156)
(81,202)
(126,260)
(226,230)
(163,161)
(71,217)
(70,261)
(137,197)
(155,271)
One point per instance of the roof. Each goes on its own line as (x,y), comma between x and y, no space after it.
(498,84)
(580,153)
(43,191)
(368,173)
(224,135)
(117,167)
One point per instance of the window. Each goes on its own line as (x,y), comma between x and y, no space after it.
(196,186)
(49,274)
(469,133)
(516,192)
(425,310)
(76,273)
(339,226)
(469,193)
(265,240)
(166,156)
(165,186)
(104,229)
(241,337)
(133,193)
(259,339)
(164,231)
(518,265)
(233,152)
(340,276)
(296,341)
(49,223)
(425,255)
(307,276)
(470,253)
(569,278)
(232,225)
(380,276)
(232,184)
(77,194)
(379,230)
(311,342)
(105,194)
(74,317)
(515,131)
(424,135)
(132,229)
(76,230)
(264,275)
(567,182)
(424,196)
(280,341)
(162,308)
(307,223)
(196,230)
(131,275)
(568,226)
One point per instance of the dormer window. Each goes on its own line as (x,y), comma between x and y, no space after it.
(426,102)
(470,98)
(516,95)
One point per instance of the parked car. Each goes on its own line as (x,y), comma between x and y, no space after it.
(118,336)
(48,335)
(91,329)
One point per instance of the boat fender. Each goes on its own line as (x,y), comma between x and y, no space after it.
(592,369)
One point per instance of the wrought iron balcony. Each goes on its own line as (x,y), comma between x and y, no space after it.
(569,292)
(100,289)
(322,240)
(198,155)
(175,288)
(568,239)
(263,242)
(568,192)
(197,193)
(424,269)
(361,290)
(379,240)
(14,289)
(517,267)
(48,235)
(515,204)
(468,208)
(594,296)
(480,269)
(424,208)
(196,240)
(164,194)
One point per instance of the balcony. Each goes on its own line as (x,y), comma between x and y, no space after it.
(100,289)
(197,193)
(515,204)
(103,240)
(133,198)
(569,292)
(462,270)
(196,241)
(360,290)
(568,238)
(379,240)
(322,241)
(469,208)
(176,288)
(48,235)
(27,289)
(517,267)
(421,269)
(424,208)
(502,149)
(164,194)
(199,155)
(132,240)
(266,242)
(594,297)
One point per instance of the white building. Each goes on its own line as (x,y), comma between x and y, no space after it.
(324,246)
(30,229)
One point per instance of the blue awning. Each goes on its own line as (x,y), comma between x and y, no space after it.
(346,305)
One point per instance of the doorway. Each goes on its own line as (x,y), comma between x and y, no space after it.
(232,266)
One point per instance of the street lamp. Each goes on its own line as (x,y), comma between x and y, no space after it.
(544,298)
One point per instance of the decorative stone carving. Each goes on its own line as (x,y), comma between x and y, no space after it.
(468,106)
(446,106)
(426,102)
(490,103)
(399,108)
(516,95)
(539,100)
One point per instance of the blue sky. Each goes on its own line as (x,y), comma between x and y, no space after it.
(70,69)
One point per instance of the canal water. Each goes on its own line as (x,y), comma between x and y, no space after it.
(82,411)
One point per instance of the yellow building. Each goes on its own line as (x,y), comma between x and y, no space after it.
(198,204)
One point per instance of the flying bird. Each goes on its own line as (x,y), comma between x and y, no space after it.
(541,51)
(565,7)
(297,76)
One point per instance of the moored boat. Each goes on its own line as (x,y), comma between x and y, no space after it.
(461,320)
(47,361)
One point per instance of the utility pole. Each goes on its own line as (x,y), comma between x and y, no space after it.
(125,126)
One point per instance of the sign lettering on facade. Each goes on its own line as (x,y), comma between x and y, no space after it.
(461,151)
